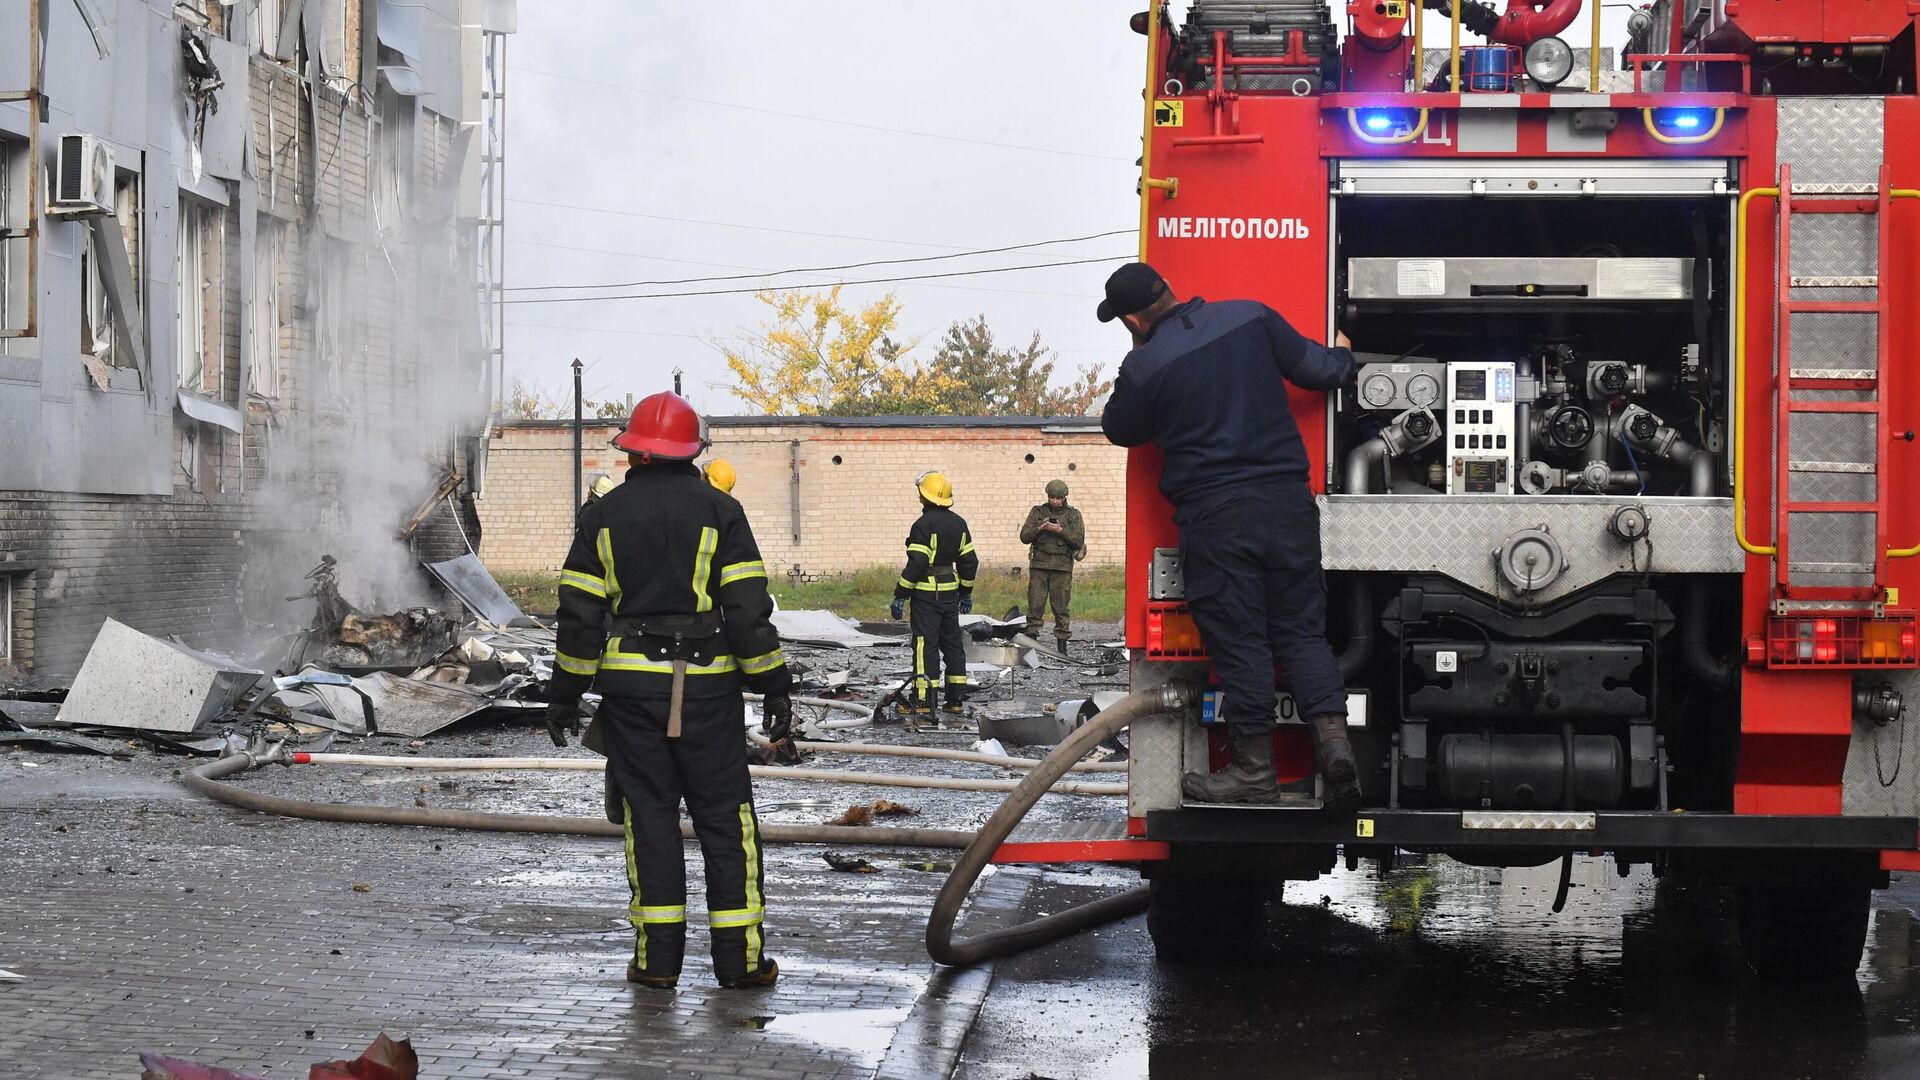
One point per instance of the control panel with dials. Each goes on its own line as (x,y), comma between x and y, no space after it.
(1395,384)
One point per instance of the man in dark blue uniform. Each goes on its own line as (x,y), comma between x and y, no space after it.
(1207,383)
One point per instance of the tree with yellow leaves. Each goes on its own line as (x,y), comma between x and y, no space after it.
(820,357)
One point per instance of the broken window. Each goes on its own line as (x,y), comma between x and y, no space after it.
(200,311)
(269,265)
(14,272)
(266,27)
(99,335)
(393,192)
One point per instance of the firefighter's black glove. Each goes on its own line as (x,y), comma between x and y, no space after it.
(966,603)
(563,718)
(776,718)
(898,609)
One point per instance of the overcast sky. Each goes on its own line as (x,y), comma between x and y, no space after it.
(1029,114)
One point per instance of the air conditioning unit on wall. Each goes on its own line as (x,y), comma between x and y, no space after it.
(83,180)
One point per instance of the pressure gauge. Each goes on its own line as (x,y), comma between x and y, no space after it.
(1423,390)
(1377,392)
(1549,61)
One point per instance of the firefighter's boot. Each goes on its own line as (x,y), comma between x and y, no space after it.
(1338,769)
(655,982)
(765,975)
(1248,778)
(1064,641)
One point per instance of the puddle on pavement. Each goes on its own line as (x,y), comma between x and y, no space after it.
(866,1032)
(1442,969)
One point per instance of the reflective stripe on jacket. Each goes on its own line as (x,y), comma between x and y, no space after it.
(940,555)
(665,543)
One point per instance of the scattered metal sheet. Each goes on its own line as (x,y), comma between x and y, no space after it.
(31,714)
(402,706)
(469,580)
(134,680)
(998,654)
(825,629)
(61,738)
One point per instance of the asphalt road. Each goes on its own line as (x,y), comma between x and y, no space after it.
(1445,970)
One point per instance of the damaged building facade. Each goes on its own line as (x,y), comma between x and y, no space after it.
(243,316)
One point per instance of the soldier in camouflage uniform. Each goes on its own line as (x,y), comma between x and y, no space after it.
(1056,538)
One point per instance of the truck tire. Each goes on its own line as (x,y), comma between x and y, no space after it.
(1817,930)
(1204,920)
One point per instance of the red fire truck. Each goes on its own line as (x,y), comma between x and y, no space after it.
(1612,517)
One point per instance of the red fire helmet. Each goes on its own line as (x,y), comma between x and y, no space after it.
(664,425)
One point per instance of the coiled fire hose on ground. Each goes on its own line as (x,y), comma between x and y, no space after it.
(978,847)
(973,861)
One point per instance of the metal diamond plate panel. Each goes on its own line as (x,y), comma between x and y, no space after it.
(1830,487)
(1835,245)
(1830,549)
(1458,536)
(1827,339)
(1832,436)
(1831,140)
(1153,780)
(1882,778)
(1157,744)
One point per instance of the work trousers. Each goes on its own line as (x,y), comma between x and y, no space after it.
(937,643)
(1258,595)
(1055,586)
(707,767)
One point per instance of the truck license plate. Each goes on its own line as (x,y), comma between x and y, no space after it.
(1287,712)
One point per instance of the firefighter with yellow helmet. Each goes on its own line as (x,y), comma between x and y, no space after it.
(719,473)
(938,578)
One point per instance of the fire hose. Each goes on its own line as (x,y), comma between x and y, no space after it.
(206,779)
(978,847)
(973,861)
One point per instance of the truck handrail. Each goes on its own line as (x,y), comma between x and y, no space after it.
(1740,372)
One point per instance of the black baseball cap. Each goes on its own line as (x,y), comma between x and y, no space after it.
(1134,287)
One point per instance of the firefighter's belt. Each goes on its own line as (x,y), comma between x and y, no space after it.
(678,639)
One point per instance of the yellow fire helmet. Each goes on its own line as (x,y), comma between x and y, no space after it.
(602,485)
(936,488)
(720,474)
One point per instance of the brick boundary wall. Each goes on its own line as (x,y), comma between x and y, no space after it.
(855,492)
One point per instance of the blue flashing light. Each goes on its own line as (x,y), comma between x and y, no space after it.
(1376,121)
(1685,121)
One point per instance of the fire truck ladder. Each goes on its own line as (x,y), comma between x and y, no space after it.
(1832,431)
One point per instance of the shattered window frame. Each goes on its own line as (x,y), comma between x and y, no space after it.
(264,373)
(266,27)
(201,243)
(13,250)
(99,334)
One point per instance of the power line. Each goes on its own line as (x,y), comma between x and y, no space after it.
(732,224)
(819,119)
(864,281)
(1115,351)
(739,266)
(827,269)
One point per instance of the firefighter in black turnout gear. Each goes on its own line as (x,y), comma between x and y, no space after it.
(664,610)
(1207,383)
(938,578)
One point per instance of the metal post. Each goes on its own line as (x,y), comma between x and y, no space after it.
(579,495)
(676,382)
(793,490)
